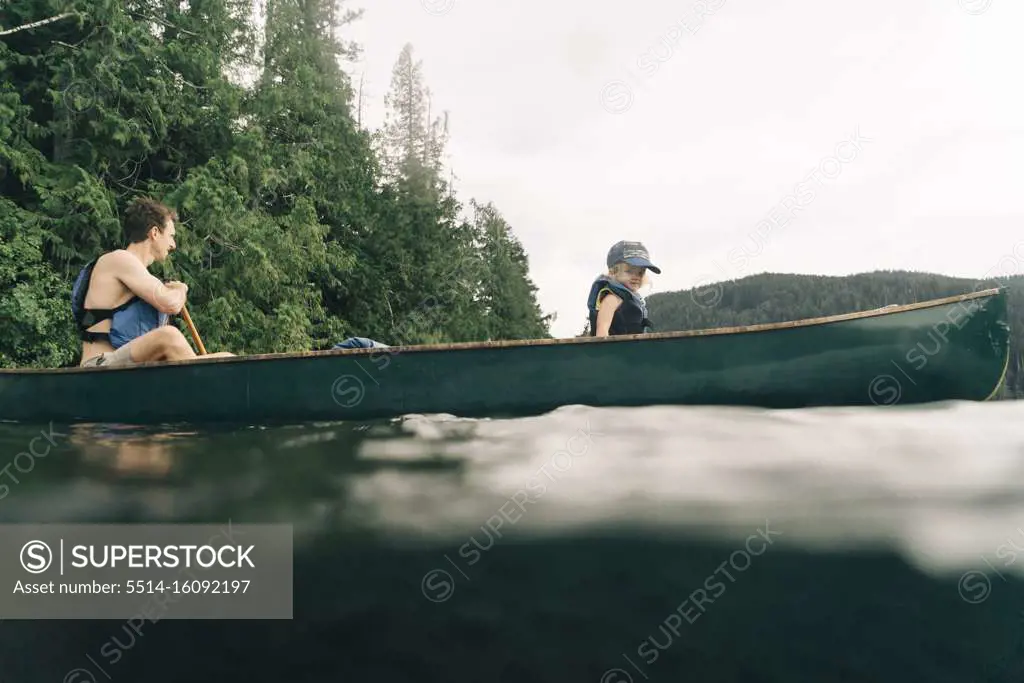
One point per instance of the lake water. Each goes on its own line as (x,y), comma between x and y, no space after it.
(593,545)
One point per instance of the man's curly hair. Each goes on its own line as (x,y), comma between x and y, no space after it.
(142,214)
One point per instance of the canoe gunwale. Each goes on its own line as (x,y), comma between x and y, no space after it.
(519,343)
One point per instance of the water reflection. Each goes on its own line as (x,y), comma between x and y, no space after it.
(107,455)
(940,484)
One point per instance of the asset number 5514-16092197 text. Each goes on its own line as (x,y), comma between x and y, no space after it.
(194,586)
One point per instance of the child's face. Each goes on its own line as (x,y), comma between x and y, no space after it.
(631,276)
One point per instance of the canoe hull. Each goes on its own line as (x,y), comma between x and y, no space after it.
(951,349)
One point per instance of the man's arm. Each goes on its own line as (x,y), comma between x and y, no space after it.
(143,284)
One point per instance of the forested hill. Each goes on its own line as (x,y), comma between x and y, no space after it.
(299,225)
(770,298)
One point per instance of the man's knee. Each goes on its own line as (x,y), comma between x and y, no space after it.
(170,333)
(175,337)
(168,338)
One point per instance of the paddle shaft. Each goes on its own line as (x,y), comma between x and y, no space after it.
(192,329)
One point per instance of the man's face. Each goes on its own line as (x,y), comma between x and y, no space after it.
(163,240)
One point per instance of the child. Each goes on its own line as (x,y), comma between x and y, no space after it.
(615,307)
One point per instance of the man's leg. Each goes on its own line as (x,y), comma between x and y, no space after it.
(168,343)
(164,343)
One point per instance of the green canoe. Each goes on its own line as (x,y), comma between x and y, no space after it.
(955,348)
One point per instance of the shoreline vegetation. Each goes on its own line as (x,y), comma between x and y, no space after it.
(298,226)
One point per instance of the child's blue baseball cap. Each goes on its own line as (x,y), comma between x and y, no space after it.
(633,253)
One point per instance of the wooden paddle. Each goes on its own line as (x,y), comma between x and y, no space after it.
(192,329)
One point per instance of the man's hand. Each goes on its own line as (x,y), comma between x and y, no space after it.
(174,299)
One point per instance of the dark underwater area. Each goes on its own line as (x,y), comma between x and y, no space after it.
(571,608)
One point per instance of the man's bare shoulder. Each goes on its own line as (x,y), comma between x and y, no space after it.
(114,258)
(118,261)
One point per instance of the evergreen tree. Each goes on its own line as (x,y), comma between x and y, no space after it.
(508,295)
(410,143)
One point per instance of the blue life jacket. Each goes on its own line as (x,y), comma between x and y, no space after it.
(630,317)
(131,319)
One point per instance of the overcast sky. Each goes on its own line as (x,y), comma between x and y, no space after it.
(895,129)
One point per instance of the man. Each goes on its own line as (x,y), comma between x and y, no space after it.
(121,310)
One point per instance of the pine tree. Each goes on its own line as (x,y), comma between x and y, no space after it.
(410,143)
(508,294)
